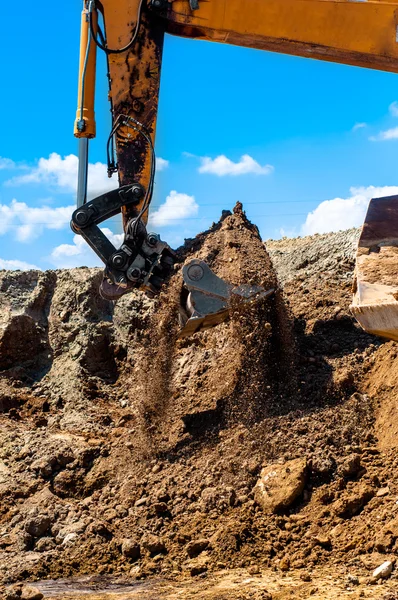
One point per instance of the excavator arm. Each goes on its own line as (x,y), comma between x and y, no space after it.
(131,33)
(132,39)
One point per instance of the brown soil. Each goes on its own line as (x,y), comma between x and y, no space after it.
(127,452)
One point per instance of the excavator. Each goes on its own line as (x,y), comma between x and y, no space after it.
(131,34)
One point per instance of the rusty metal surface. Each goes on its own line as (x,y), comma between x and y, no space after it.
(135,78)
(381,222)
(375,302)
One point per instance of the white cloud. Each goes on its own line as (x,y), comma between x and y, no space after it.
(176,207)
(383,136)
(28,222)
(7,163)
(161,164)
(221,166)
(61,173)
(19,265)
(344,213)
(287,233)
(115,238)
(79,253)
(393,108)
(359,126)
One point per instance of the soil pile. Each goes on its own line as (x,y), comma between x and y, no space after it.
(267,442)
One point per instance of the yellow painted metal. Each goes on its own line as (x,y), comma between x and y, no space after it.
(355,33)
(86,77)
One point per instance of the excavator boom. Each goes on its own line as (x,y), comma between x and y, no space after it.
(131,33)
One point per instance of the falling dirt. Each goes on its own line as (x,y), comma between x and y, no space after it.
(131,455)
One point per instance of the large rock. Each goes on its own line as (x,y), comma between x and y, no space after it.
(280,485)
(38,525)
(195,547)
(131,548)
(349,506)
(153,543)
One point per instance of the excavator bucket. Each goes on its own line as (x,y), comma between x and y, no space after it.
(375,302)
(206,298)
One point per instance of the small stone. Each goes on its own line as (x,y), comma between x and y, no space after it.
(305,576)
(153,544)
(157,468)
(195,547)
(383,572)
(384,541)
(383,492)
(38,526)
(22,592)
(253,466)
(69,539)
(323,540)
(263,595)
(350,466)
(352,579)
(142,501)
(280,485)
(284,563)
(253,570)
(209,498)
(322,465)
(349,506)
(13,592)
(198,570)
(241,499)
(198,566)
(131,549)
(110,515)
(24,541)
(31,593)
(63,483)
(160,508)
(44,544)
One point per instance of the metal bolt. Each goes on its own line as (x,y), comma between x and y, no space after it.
(195,272)
(152,239)
(118,260)
(135,274)
(81,217)
(137,191)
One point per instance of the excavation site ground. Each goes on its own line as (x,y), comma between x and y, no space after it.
(256,460)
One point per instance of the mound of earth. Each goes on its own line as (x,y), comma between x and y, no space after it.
(267,443)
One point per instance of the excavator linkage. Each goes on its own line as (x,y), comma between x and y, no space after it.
(375,303)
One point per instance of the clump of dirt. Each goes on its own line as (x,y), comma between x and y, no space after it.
(126,450)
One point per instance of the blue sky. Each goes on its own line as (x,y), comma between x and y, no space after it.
(319,139)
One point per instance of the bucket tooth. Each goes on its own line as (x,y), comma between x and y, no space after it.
(375,302)
(206,298)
